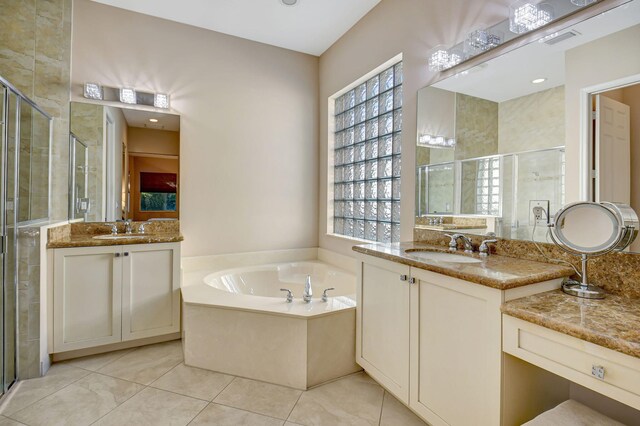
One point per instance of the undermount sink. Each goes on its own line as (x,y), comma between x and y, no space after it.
(118,236)
(444,257)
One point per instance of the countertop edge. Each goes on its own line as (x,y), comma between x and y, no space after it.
(90,242)
(487,282)
(571,330)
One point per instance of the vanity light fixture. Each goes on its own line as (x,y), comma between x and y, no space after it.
(582,3)
(161,100)
(440,58)
(93,91)
(481,40)
(128,95)
(525,16)
(430,141)
(539,80)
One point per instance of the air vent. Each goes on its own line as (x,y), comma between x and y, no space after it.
(562,37)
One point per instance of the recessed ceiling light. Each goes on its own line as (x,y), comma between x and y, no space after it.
(153,120)
(289,2)
(539,80)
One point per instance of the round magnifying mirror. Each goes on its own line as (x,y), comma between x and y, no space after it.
(588,228)
(593,229)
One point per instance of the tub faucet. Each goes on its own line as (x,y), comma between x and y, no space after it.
(308,293)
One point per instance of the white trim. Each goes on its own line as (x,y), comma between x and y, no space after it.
(585,127)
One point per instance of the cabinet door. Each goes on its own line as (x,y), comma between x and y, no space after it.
(382,347)
(86,297)
(456,351)
(150,290)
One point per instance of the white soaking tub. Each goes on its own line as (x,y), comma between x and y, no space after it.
(237,321)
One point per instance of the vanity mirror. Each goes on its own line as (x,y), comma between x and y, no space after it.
(589,229)
(512,133)
(124,163)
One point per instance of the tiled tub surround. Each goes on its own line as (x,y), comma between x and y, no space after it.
(263,337)
(617,273)
(82,234)
(498,272)
(613,322)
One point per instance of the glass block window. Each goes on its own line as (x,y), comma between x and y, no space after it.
(368,136)
(488,187)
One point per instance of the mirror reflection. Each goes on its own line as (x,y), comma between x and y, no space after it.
(124,164)
(491,141)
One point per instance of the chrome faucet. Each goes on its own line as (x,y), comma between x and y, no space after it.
(141,227)
(453,244)
(114,228)
(127,226)
(308,293)
(484,247)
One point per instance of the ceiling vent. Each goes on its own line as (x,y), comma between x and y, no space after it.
(562,37)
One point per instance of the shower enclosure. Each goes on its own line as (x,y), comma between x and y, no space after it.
(25,133)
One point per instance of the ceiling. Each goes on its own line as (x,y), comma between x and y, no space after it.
(140,118)
(311,26)
(509,76)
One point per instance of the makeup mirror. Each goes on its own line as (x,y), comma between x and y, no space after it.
(589,229)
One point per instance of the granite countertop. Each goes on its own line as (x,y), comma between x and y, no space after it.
(613,322)
(82,234)
(499,272)
(89,241)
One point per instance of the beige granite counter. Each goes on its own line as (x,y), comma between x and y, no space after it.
(83,234)
(499,272)
(613,322)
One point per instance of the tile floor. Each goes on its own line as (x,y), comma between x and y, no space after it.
(152,386)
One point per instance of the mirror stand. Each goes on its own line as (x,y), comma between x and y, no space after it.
(583,288)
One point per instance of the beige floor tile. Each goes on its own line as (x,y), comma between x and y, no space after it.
(80,403)
(154,407)
(221,415)
(193,382)
(145,364)
(5,421)
(29,391)
(96,362)
(394,413)
(354,400)
(259,397)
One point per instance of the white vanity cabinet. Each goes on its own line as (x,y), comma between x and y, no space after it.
(110,294)
(434,341)
(383,324)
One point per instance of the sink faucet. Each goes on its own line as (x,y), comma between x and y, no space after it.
(308,293)
(127,226)
(453,244)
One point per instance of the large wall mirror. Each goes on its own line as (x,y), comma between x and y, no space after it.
(124,164)
(492,141)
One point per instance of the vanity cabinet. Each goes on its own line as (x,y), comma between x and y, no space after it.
(110,294)
(435,342)
(383,324)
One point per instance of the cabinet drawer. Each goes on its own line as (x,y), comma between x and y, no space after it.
(575,359)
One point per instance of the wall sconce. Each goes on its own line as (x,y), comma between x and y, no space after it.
(481,40)
(128,95)
(161,100)
(525,16)
(92,91)
(441,58)
(429,141)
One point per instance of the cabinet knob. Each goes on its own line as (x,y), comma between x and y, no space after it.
(404,277)
(126,253)
(412,280)
(117,254)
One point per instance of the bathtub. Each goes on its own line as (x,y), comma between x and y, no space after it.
(237,321)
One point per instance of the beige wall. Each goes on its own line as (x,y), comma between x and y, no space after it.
(153,141)
(590,65)
(249,115)
(410,27)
